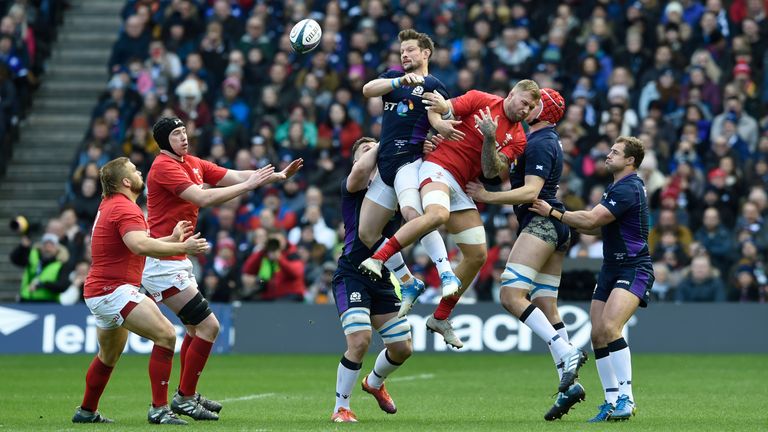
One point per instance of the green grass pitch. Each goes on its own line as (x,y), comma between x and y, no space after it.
(433,393)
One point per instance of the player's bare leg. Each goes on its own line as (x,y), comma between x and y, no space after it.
(147,321)
(395,332)
(528,256)
(467,229)
(193,310)
(434,216)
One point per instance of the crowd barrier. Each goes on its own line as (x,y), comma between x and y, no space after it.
(301,328)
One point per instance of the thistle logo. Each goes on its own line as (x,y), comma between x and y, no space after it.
(12,320)
(403,107)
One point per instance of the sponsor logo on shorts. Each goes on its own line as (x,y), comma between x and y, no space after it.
(355,297)
(622,281)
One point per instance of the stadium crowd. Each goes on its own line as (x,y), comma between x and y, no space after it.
(27,30)
(690,79)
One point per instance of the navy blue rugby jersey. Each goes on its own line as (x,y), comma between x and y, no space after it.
(625,240)
(354,249)
(404,123)
(543,157)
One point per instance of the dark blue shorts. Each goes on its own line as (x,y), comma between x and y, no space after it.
(389,165)
(637,279)
(352,289)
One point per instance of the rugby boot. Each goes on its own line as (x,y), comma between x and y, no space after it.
(371,267)
(625,409)
(573,360)
(210,405)
(382,397)
(565,401)
(409,292)
(606,409)
(85,416)
(344,415)
(449,284)
(163,415)
(191,407)
(445,329)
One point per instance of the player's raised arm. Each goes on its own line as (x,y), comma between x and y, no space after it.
(493,162)
(215,196)
(363,167)
(142,244)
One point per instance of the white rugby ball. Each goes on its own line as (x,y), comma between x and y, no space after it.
(305,36)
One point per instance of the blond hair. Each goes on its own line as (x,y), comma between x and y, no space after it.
(112,174)
(530,86)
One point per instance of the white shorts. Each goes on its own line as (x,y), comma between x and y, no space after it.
(434,172)
(164,278)
(110,310)
(407,177)
(381,194)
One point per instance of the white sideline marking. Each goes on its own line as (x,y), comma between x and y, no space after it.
(412,377)
(249,397)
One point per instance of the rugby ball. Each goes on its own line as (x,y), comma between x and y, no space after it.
(305,36)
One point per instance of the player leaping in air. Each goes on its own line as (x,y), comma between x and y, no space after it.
(493,138)
(536,260)
(405,126)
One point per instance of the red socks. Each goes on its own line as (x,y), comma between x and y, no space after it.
(160,364)
(96,380)
(445,307)
(183,352)
(390,248)
(194,362)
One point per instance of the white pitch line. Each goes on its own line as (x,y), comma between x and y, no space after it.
(412,377)
(249,397)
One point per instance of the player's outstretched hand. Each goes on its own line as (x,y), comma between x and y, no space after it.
(182,230)
(486,123)
(434,102)
(411,79)
(289,171)
(540,207)
(447,129)
(195,245)
(260,176)
(477,191)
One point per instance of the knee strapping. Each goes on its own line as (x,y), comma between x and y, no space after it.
(395,330)
(518,276)
(411,198)
(471,236)
(436,197)
(355,320)
(195,311)
(545,285)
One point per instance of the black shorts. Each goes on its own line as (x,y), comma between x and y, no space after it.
(352,289)
(635,278)
(389,166)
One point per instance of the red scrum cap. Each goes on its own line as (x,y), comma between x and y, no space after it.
(553,106)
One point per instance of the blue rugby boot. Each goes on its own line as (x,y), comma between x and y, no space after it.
(625,409)
(85,416)
(409,292)
(449,284)
(606,409)
(565,401)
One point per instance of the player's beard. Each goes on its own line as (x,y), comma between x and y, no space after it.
(137,186)
(414,65)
